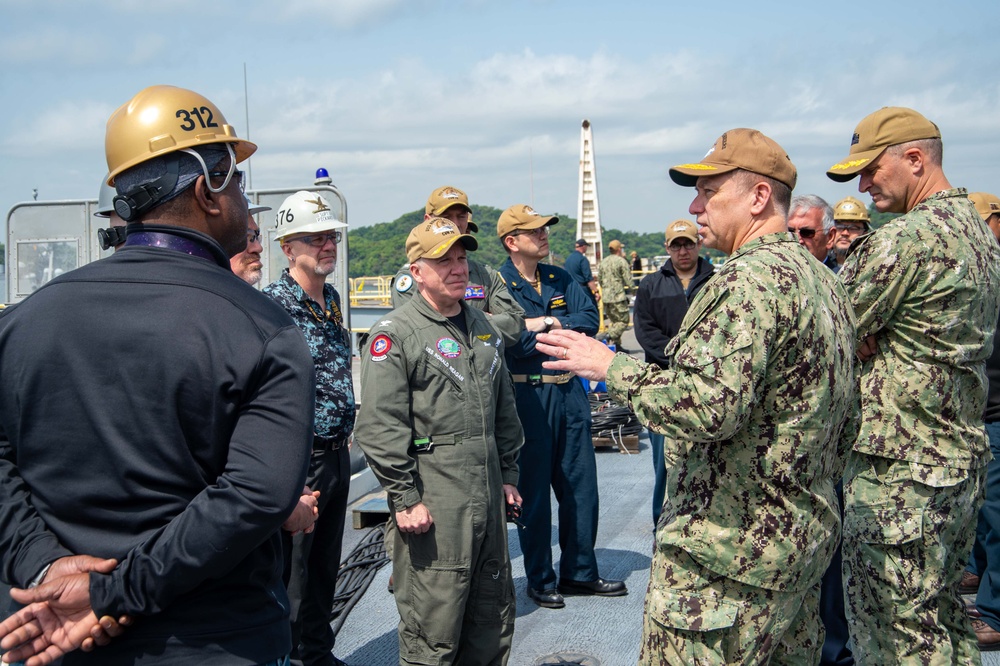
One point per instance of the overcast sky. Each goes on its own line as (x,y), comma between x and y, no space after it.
(397,97)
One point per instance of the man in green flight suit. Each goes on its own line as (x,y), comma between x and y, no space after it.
(615,276)
(486,290)
(758,387)
(440,430)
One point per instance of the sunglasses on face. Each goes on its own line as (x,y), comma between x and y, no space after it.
(237,175)
(850,228)
(319,240)
(688,245)
(252,236)
(540,232)
(803,232)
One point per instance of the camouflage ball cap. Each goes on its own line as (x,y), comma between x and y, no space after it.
(432,238)
(522,216)
(986,204)
(850,208)
(681,229)
(447,197)
(889,126)
(741,148)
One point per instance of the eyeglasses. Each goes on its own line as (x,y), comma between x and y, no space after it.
(319,240)
(252,236)
(681,246)
(850,228)
(237,174)
(804,232)
(540,232)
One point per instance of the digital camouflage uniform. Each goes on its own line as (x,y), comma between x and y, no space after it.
(486,292)
(927,286)
(439,426)
(614,276)
(758,387)
(312,561)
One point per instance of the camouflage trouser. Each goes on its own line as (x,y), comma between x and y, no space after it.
(696,617)
(615,320)
(908,530)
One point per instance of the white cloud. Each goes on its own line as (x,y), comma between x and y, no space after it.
(71,126)
(345,14)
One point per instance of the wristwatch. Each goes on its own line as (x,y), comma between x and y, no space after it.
(548,321)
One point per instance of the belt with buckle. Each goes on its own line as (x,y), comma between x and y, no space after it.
(536,380)
(327,443)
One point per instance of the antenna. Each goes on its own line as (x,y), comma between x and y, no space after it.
(246,113)
(531,174)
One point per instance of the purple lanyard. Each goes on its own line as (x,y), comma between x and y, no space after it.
(169,241)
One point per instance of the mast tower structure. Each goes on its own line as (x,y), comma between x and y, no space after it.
(588,209)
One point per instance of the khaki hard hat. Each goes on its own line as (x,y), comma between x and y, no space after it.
(305,212)
(889,126)
(433,237)
(681,229)
(850,208)
(447,197)
(986,204)
(165,119)
(741,148)
(522,216)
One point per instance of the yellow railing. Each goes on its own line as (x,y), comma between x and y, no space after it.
(371,290)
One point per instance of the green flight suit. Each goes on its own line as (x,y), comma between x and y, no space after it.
(486,292)
(439,426)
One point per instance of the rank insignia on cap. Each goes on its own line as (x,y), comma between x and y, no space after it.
(403,283)
(855,139)
(380,347)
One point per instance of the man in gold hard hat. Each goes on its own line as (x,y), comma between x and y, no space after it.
(165,461)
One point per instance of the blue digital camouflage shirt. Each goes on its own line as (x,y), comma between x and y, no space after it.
(330,346)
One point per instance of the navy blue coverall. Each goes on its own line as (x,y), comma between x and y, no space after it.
(558,450)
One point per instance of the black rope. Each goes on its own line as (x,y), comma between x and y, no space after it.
(356,573)
(611,420)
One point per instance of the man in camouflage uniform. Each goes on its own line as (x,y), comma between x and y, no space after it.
(926,293)
(486,290)
(615,276)
(982,574)
(309,234)
(440,429)
(757,389)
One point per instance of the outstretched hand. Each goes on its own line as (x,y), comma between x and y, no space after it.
(576,353)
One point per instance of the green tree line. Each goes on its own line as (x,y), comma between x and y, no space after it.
(380,249)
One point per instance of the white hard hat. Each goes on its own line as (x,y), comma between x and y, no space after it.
(305,212)
(253,208)
(105,200)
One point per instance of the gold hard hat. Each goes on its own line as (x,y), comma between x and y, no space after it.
(850,208)
(165,119)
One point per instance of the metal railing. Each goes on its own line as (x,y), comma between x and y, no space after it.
(371,290)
